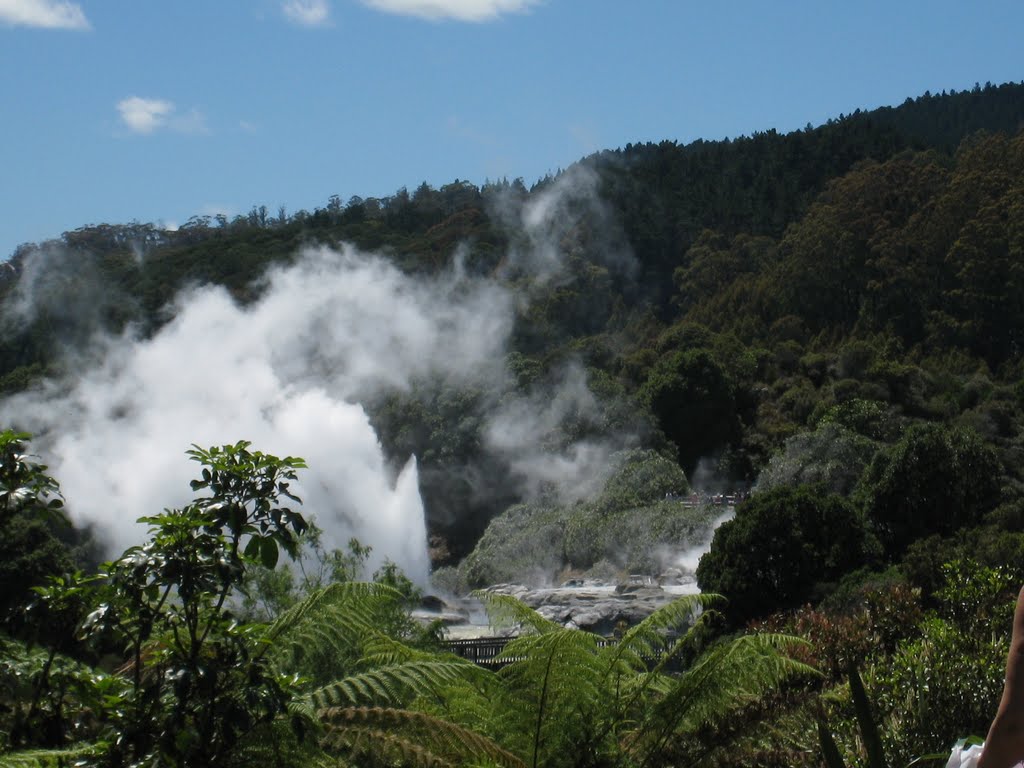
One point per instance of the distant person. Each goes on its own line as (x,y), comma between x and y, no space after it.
(1004,746)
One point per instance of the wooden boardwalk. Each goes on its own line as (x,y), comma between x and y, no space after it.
(486,651)
(480,650)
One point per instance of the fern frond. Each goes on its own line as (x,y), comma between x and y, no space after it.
(380,649)
(303,708)
(651,634)
(322,637)
(359,601)
(722,680)
(392,685)
(505,611)
(735,674)
(550,679)
(634,667)
(573,646)
(413,737)
(281,744)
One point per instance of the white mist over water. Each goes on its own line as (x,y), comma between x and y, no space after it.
(688,559)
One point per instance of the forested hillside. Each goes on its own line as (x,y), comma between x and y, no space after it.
(830,319)
(737,291)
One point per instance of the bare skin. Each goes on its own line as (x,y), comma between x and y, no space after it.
(1004,746)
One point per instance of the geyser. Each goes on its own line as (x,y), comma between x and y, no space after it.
(286,373)
(291,372)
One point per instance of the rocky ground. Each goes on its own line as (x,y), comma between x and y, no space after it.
(589,604)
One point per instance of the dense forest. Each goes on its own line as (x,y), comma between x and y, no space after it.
(829,320)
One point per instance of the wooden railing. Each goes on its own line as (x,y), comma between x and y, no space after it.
(486,650)
(479,650)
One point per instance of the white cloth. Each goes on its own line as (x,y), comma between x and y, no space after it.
(964,757)
(967,757)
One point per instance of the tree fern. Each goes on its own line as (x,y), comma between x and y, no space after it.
(566,698)
(322,636)
(550,677)
(721,681)
(360,712)
(414,738)
(380,649)
(358,599)
(391,685)
(634,667)
(507,611)
(652,635)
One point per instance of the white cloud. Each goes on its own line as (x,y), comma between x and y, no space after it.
(460,10)
(308,13)
(148,115)
(144,115)
(47,14)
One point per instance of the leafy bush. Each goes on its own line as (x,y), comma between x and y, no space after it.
(780,545)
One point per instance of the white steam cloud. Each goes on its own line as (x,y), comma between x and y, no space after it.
(548,224)
(286,373)
(290,372)
(43,14)
(459,10)
(573,471)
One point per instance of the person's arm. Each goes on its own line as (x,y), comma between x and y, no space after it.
(1004,746)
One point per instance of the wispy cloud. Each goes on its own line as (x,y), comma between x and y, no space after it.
(307,13)
(45,14)
(148,115)
(192,121)
(460,10)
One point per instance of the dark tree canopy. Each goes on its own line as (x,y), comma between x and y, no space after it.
(692,397)
(780,545)
(935,480)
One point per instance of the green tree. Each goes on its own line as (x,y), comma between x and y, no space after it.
(197,681)
(830,456)
(31,511)
(780,546)
(693,399)
(936,479)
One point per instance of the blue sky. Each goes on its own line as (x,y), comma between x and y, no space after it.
(114,111)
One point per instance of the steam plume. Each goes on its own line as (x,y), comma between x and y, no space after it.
(290,372)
